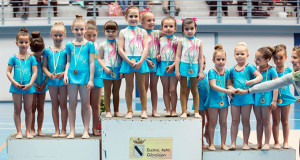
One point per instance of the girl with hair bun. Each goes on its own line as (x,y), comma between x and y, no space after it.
(79,75)
(37,47)
(54,63)
(217,101)
(25,72)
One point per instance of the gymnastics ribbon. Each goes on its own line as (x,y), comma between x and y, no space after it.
(146,10)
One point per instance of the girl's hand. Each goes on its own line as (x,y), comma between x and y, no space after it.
(90,85)
(132,64)
(138,65)
(298,100)
(273,105)
(26,87)
(170,68)
(249,83)
(60,75)
(241,91)
(37,88)
(52,77)
(150,64)
(158,57)
(107,70)
(229,93)
(121,75)
(200,76)
(66,80)
(178,76)
(18,85)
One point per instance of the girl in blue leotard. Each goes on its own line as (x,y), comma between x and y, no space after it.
(79,74)
(266,101)
(37,47)
(284,100)
(25,72)
(241,77)
(54,63)
(217,101)
(95,98)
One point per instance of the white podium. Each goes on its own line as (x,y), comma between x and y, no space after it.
(153,138)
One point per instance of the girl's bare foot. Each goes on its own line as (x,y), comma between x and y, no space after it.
(211,148)
(108,115)
(85,135)
(96,133)
(184,115)
(266,147)
(286,146)
(29,136)
(155,114)
(277,146)
(246,147)
(168,114)
(225,148)
(197,115)
(40,133)
(33,132)
(129,115)
(144,115)
(19,136)
(71,136)
(174,114)
(204,146)
(117,114)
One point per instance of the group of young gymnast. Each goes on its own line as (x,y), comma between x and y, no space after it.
(84,66)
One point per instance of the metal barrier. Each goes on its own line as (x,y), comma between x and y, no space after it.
(204,9)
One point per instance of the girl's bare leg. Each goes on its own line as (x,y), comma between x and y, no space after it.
(28,98)
(34,107)
(285,125)
(129,77)
(266,113)
(73,94)
(213,118)
(194,90)
(54,94)
(107,93)
(116,97)
(95,98)
(235,116)
(17,100)
(40,108)
(223,112)
(275,127)
(85,109)
(166,93)
(63,94)
(183,100)
(259,125)
(153,89)
(143,95)
(245,112)
(173,94)
(202,113)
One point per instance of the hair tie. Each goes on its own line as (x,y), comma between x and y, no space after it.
(195,19)
(146,10)
(125,9)
(182,20)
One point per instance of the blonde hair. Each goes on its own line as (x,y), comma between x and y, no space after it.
(91,25)
(242,44)
(58,25)
(144,14)
(168,18)
(218,49)
(78,19)
(279,48)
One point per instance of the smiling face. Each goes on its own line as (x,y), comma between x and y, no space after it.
(133,17)
(260,60)
(79,30)
(169,27)
(58,35)
(279,58)
(219,60)
(241,55)
(189,30)
(148,21)
(295,61)
(91,35)
(23,43)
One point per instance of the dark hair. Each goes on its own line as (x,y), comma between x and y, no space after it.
(279,48)
(218,48)
(168,18)
(111,25)
(91,25)
(267,52)
(36,42)
(188,21)
(23,32)
(130,8)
